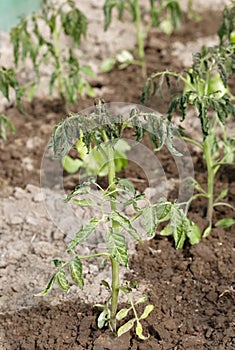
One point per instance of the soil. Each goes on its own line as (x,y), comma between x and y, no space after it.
(192,289)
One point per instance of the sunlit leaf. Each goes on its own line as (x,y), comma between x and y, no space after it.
(225,223)
(122,313)
(48,287)
(117,247)
(62,280)
(139,331)
(126,327)
(125,223)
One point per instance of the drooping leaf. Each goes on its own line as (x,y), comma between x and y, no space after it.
(83,188)
(139,331)
(117,247)
(150,220)
(83,234)
(62,280)
(75,269)
(86,202)
(48,287)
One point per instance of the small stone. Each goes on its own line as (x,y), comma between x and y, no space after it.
(32,189)
(31,220)
(19,193)
(27,163)
(38,197)
(15,220)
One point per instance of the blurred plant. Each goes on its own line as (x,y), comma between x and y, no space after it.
(39,38)
(9,81)
(95,162)
(103,128)
(163,14)
(206,88)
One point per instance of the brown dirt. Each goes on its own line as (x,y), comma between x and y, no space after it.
(192,289)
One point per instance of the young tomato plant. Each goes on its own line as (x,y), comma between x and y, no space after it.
(206,88)
(102,127)
(9,81)
(39,38)
(163,13)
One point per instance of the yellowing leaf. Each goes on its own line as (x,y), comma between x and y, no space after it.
(149,308)
(126,327)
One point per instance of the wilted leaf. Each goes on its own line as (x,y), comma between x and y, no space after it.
(150,220)
(103,318)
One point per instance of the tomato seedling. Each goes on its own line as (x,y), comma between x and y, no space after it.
(39,38)
(206,88)
(104,127)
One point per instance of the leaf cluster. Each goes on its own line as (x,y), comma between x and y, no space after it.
(206,85)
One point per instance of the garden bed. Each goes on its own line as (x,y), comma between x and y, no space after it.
(192,289)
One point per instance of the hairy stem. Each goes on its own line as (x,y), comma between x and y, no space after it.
(115,227)
(210,179)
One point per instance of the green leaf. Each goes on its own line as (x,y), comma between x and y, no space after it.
(87,70)
(48,286)
(4,124)
(106,284)
(57,262)
(83,234)
(126,327)
(75,269)
(150,220)
(108,64)
(62,280)
(125,223)
(142,299)
(117,247)
(225,223)
(163,210)
(206,232)
(83,188)
(139,331)
(122,314)
(179,226)
(86,202)
(127,185)
(193,233)
(71,165)
(222,194)
(149,308)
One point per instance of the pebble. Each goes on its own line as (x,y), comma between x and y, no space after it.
(38,197)
(15,220)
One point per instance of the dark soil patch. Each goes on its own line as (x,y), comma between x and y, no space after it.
(192,289)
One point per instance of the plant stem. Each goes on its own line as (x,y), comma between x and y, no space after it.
(56,40)
(140,38)
(115,227)
(210,179)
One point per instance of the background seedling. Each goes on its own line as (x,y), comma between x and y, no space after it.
(163,14)
(38,38)
(101,127)
(9,81)
(206,88)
